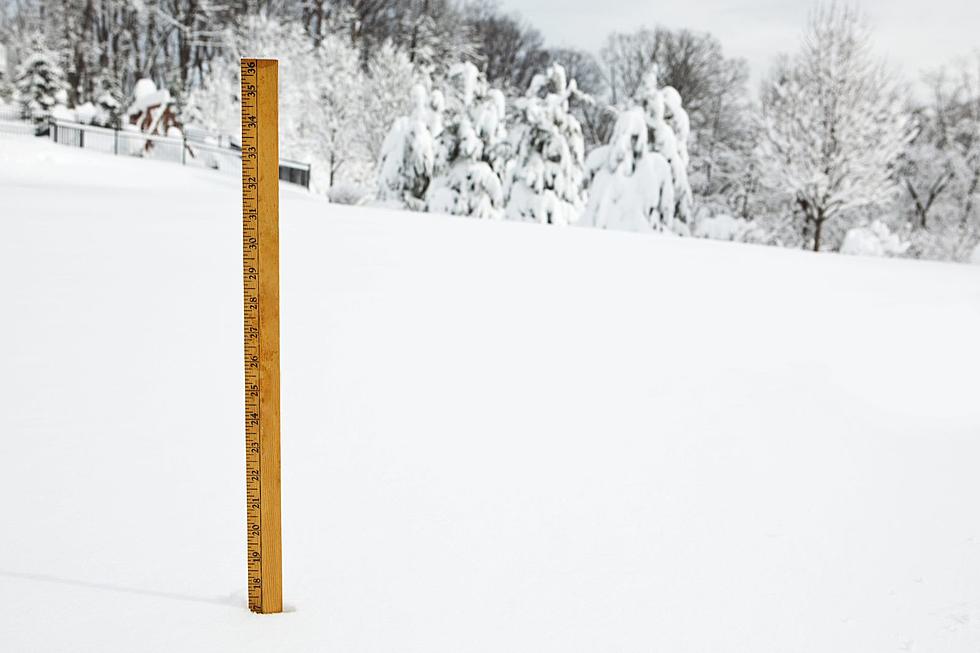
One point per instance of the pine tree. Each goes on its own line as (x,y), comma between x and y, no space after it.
(108,101)
(471,149)
(662,138)
(408,155)
(545,183)
(631,186)
(39,79)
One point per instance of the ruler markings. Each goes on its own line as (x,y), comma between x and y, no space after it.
(260,283)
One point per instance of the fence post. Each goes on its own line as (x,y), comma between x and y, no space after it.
(53,126)
(115,141)
(81,138)
(183,150)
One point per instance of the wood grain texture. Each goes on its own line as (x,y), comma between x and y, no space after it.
(260,275)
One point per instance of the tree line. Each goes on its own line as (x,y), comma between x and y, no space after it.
(833,140)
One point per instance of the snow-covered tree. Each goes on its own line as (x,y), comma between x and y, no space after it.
(6,86)
(408,154)
(215,105)
(333,131)
(632,186)
(545,181)
(321,100)
(471,150)
(832,129)
(941,169)
(663,139)
(107,98)
(434,33)
(38,79)
(390,79)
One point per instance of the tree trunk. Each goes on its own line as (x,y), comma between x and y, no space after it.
(817,232)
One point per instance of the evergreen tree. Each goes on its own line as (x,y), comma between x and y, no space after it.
(662,138)
(631,186)
(39,79)
(471,149)
(545,182)
(408,155)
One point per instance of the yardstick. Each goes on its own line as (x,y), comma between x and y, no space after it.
(260,276)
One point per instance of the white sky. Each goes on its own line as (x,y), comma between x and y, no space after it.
(918,35)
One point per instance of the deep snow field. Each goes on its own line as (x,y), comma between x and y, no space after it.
(497,437)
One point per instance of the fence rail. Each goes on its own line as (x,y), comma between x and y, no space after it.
(162,148)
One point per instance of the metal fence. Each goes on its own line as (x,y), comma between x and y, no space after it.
(162,148)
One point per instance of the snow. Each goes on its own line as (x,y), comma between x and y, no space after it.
(496,436)
(875,239)
(87,113)
(147,99)
(721,227)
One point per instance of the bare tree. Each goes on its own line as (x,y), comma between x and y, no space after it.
(509,51)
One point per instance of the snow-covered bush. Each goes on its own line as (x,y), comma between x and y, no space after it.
(60,110)
(631,186)
(471,149)
(545,181)
(721,227)
(874,240)
(975,255)
(349,194)
(38,80)
(408,154)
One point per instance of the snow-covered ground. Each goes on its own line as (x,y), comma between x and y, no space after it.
(497,436)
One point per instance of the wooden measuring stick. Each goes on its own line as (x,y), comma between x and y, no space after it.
(260,274)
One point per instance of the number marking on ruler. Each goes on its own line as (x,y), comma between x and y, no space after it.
(260,276)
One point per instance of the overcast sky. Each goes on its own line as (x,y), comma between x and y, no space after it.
(916,34)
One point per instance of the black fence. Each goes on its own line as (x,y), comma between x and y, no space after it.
(162,148)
